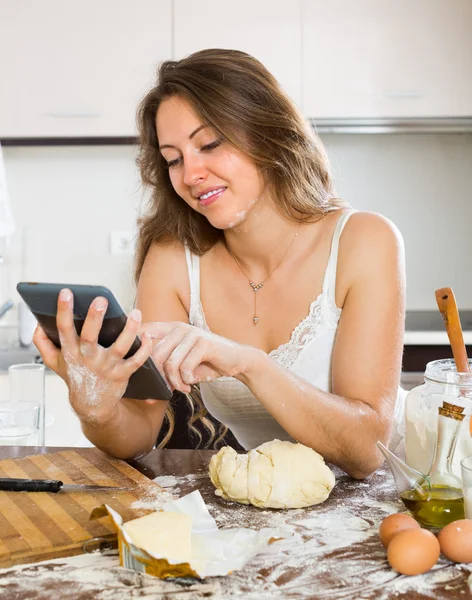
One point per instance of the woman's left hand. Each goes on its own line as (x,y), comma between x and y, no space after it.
(186,355)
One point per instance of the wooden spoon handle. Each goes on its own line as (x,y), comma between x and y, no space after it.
(448,308)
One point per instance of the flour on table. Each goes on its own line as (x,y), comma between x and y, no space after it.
(306,566)
(153,499)
(342,531)
(169,489)
(95,576)
(452,576)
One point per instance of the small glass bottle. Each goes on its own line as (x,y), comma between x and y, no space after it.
(445,501)
(442,383)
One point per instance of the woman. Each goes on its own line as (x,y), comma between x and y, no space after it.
(245,284)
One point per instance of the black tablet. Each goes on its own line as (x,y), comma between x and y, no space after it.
(41,299)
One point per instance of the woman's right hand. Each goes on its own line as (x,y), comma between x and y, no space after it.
(96,377)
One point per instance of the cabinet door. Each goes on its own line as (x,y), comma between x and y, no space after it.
(78,68)
(402,58)
(267,29)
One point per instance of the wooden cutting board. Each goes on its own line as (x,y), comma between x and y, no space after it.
(41,525)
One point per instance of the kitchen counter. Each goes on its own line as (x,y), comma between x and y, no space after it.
(426,339)
(335,552)
(426,328)
(431,338)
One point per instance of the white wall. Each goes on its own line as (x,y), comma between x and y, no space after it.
(67,200)
(424,184)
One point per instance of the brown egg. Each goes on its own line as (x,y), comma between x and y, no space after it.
(393,524)
(455,540)
(413,551)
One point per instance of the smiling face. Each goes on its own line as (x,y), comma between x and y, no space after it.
(210,175)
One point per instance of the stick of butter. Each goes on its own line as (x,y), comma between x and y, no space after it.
(163,535)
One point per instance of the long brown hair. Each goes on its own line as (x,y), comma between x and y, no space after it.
(243,103)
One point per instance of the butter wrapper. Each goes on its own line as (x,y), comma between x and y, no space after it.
(214,552)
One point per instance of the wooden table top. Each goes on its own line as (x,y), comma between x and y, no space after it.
(335,552)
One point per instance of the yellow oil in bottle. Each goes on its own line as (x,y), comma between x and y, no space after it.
(445,504)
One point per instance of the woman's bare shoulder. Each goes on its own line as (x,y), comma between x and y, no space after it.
(166,255)
(164,279)
(371,246)
(366,231)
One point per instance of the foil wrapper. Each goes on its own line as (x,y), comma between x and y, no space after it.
(215,552)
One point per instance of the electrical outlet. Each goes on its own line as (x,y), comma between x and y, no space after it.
(122,242)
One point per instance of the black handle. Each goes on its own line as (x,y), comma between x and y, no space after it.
(30,485)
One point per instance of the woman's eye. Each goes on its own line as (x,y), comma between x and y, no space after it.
(208,147)
(173,163)
(212,146)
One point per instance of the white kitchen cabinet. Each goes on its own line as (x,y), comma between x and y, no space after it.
(402,58)
(267,29)
(78,69)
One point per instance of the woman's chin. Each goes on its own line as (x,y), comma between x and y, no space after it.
(227,223)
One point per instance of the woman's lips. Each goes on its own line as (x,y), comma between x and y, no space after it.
(212,199)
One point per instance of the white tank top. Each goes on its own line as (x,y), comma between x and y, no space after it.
(308,354)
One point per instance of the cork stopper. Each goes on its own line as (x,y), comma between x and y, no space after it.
(453,407)
(452,411)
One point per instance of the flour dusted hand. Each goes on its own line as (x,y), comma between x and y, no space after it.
(276,474)
(185,354)
(97,377)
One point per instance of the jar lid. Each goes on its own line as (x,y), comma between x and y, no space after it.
(444,371)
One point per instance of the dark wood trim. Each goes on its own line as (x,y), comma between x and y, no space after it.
(415,357)
(70,141)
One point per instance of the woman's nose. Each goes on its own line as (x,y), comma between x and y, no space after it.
(194,171)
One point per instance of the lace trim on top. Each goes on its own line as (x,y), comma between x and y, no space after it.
(323,312)
(320,316)
(197,316)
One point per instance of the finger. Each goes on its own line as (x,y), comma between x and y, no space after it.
(130,365)
(92,325)
(65,323)
(120,348)
(194,368)
(164,348)
(173,364)
(205,373)
(159,330)
(48,350)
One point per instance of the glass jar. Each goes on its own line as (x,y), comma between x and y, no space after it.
(442,383)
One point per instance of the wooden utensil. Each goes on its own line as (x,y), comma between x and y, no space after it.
(40,525)
(448,308)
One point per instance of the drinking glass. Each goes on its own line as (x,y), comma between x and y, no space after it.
(466,471)
(27,385)
(19,423)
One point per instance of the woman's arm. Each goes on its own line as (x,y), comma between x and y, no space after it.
(97,377)
(344,425)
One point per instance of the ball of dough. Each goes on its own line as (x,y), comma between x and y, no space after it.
(273,475)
